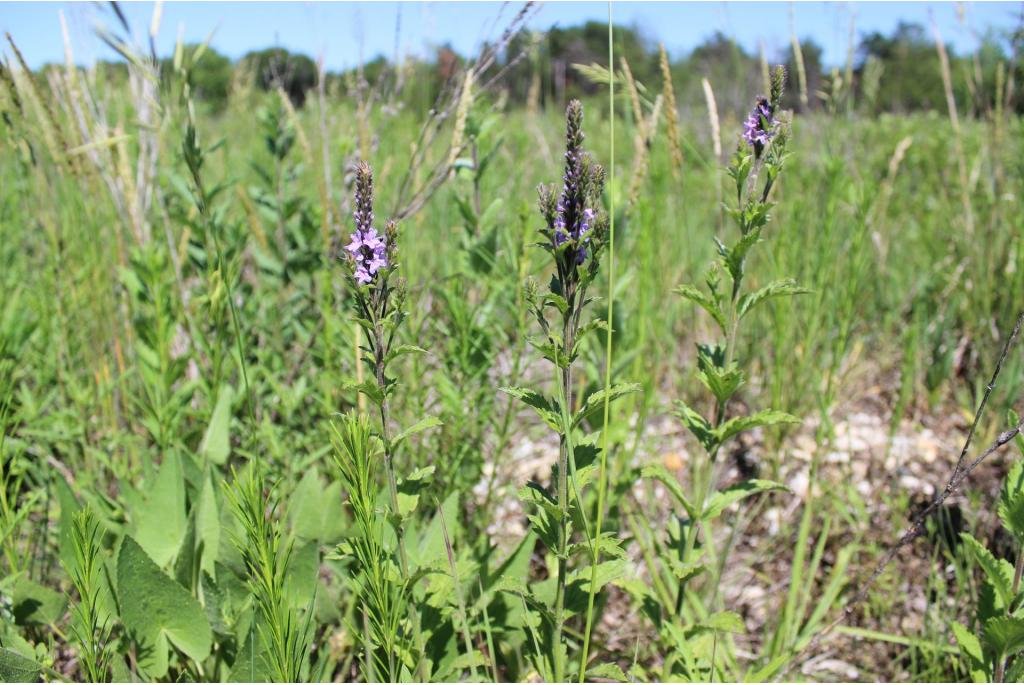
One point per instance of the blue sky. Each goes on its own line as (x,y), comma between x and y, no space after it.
(346,32)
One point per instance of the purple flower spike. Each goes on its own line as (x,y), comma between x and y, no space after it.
(367,249)
(759,127)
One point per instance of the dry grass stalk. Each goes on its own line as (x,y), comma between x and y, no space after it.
(459,131)
(53,135)
(641,162)
(634,96)
(716,133)
(671,113)
(798,57)
(954,120)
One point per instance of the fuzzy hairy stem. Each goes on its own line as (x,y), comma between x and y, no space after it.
(389,467)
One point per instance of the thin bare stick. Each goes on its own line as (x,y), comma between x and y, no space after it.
(916,527)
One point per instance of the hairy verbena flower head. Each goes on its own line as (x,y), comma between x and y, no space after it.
(367,250)
(759,127)
(572,217)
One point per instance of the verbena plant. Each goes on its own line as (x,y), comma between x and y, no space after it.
(690,628)
(575,235)
(378,297)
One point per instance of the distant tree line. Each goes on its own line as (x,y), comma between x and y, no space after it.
(898,72)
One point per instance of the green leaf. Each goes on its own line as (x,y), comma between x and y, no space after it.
(998,571)
(703,300)
(161,523)
(738,424)
(14,668)
(774,289)
(1011,501)
(417,427)
(687,571)
(723,383)
(595,403)
(208,526)
(734,493)
(660,473)
(540,404)
(368,388)
(35,603)
(250,665)
(724,621)
(1004,635)
(409,490)
(317,509)
(970,647)
(607,671)
(216,444)
(155,609)
(698,425)
(400,350)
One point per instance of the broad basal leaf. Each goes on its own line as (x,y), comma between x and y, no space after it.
(14,668)
(216,445)
(160,521)
(155,609)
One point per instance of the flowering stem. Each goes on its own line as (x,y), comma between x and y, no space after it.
(563,498)
(389,467)
(707,477)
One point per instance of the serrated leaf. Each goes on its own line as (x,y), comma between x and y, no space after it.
(368,388)
(1004,635)
(999,572)
(155,609)
(540,404)
(607,671)
(970,647)
(774,289)
(738,424)
(14,668)
(400,350)
(724,621)
(697,424)
(661,474)
(685,572)
(595,402)
(417,427)
(216,444)
(703,300)
(1011,501)
(734,493)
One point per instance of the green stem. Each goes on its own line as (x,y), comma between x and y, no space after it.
(602,482)
(389,466)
